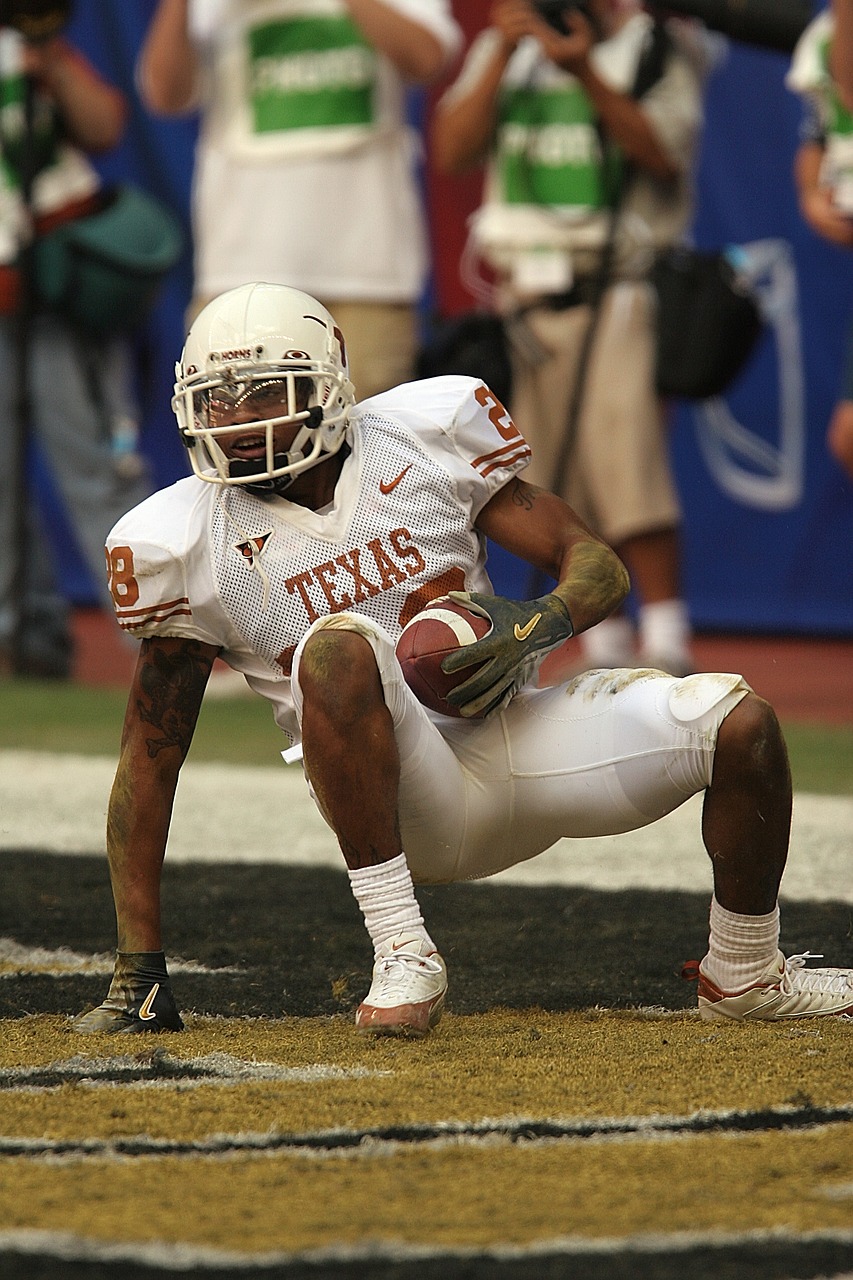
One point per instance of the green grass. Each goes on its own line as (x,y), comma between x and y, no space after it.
(42,716)
(821,757)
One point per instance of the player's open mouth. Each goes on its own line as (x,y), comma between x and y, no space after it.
(248,447)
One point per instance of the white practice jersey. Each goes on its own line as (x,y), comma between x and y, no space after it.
(217,564)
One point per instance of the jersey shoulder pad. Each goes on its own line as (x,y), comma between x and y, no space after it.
(165,518)
(154,563)
(435,398)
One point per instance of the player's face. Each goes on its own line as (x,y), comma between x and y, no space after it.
(244,408)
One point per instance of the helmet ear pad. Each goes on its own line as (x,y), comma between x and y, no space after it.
(257,333)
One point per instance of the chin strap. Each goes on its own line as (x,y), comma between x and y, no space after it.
(239,467)
(263,488)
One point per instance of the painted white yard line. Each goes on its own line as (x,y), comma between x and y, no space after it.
(165,1071)
(361,1145)
(171,1257)
(228,813)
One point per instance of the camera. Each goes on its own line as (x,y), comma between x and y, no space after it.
(770,24)
(35,19)
(553,11)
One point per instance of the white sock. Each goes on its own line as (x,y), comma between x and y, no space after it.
(386,896)
(741,948)
(609,644)
(665,632)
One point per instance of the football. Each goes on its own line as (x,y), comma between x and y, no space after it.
(440,628)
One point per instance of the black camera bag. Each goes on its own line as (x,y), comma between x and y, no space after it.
(708,323)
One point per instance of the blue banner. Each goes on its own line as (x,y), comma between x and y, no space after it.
(768,512)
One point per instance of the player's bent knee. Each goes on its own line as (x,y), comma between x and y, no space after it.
(752,733)
(335,660)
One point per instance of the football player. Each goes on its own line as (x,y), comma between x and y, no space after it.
(310,532)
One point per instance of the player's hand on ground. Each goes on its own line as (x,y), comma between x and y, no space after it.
(523,633)
(140,998)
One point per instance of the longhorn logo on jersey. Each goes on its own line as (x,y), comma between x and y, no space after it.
(252,547)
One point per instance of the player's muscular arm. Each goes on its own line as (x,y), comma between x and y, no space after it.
(540,528)
(170,681)
(591,581)
(162,711)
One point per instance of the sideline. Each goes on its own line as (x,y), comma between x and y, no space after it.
(229,813)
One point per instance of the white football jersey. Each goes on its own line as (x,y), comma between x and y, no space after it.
(248,574)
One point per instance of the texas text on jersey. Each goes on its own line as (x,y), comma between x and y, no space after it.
(252,574)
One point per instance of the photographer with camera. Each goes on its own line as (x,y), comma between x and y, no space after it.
(60,385)
(587,117)
(305,169)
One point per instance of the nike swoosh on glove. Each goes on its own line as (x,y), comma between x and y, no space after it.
(523,633)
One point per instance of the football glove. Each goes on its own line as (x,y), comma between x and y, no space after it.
(139,998)
(523,633)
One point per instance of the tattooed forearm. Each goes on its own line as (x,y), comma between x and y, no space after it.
(171,685)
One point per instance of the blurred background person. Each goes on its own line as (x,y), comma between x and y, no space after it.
(550,98)
(823,173)
(306,166)
(67,389)
(842,52)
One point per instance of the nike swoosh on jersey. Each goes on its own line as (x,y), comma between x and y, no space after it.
(521,633)
(388,486)
(146,1013)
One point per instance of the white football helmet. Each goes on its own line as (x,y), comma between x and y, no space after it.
(254,336)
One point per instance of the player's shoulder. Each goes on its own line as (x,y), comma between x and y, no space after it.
(457,420)
(166,519)
(438,400)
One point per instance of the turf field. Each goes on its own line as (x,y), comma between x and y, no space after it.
(44,716)
(571,1116)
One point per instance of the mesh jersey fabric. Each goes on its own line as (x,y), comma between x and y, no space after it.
(250,575)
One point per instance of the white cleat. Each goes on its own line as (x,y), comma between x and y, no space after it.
(787,989)
(406,996)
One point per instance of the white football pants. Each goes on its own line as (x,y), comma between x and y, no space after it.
(610,751)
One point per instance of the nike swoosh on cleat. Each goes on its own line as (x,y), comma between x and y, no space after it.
(146,1013)
(521,633)
(388,486)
